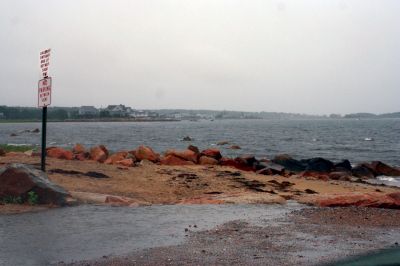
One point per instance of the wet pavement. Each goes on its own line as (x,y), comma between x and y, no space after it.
(89,232)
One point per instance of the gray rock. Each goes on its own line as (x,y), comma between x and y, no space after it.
(17,180)
(289,163)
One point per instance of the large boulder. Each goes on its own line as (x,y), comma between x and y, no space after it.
(146,153)
(344,165)
(237,163)
(318,165)
(269,168)
(78,148)
(173,160)
(289,163)
(250,160)
(205,160)
(129,162)
(362,172)
(213,153)
(187,155)
(82,156)
(193,149)
(343,176)
(59,153)
(378,168)
(99,153)
(17,180)
(114,158)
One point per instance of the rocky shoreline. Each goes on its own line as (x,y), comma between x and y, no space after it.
(235,180)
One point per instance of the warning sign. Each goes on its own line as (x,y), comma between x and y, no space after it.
(45,61)
(44,92)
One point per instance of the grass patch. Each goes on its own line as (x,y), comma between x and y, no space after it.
(17,148)
(11,200)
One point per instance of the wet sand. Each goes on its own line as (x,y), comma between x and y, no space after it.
(307,237)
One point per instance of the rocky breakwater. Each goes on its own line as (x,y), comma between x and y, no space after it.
(21,183)
(283,165)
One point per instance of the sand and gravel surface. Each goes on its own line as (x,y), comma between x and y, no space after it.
(159,184)
(311,236)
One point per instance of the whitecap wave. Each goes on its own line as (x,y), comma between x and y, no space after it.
(18,144)
(388,178)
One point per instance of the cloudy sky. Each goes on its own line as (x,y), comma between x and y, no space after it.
(303,56)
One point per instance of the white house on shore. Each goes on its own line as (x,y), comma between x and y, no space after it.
(88,111)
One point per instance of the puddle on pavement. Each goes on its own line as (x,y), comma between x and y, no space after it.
(89,231)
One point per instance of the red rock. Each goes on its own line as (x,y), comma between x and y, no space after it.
(99,153)
(82,156)
(126,162)
(213,153)
(173,160)
(114,158)
(204,160)
(78,148)
(236,163)
(59,153)
(379,168)
(144,152)
(187,155)
(373,199)
(194,149)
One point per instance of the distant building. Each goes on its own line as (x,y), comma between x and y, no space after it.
(138,114)
(335,116)
(88,111)
(117,110)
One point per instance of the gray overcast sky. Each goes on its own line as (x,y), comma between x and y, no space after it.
(306,56)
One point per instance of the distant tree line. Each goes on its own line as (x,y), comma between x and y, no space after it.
(30,113)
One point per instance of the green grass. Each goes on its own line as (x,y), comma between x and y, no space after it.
(15,148)
(11,200)
(33,198)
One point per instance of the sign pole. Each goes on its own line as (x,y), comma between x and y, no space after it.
(44,127)
(44,100)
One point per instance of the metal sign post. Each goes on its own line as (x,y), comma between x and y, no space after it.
(44,100)
(43,154)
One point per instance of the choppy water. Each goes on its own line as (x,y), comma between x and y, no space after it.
(356,140)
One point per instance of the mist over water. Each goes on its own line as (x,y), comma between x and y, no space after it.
(356,140)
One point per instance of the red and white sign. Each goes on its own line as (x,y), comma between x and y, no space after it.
(45,61)
(44,92)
